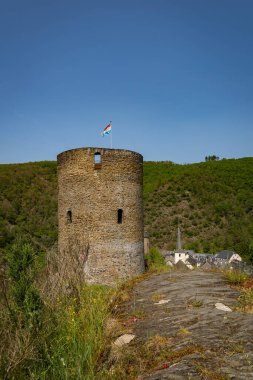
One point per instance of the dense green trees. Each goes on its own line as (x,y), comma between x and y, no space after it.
(213,201)
(28,203)
(212,158)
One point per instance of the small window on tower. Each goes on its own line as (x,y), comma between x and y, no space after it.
(69,216)
(120,216)
(97,160)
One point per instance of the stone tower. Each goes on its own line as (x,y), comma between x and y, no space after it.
(100,212)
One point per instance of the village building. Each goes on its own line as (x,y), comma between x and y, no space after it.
(179,254)
(228,256)
(191,262)
(192,259)
(201,258)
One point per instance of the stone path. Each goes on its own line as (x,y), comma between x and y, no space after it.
(189,317)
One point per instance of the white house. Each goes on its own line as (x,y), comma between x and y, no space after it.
(180,254)
(228,256)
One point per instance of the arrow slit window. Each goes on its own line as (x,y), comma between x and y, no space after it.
(120,216)
(69,216)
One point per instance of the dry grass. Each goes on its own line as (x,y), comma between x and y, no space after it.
(235,348)
(146,357)
(248,284)
(172,279)
(245,301)
(208,374)
(235,277)
(159,297)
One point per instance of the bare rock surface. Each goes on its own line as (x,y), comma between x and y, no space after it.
(191,319)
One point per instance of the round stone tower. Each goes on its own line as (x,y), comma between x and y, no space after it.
(100,212)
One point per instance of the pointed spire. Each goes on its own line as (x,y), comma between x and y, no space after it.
(179,243)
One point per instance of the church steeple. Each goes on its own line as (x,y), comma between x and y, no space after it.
(179,243)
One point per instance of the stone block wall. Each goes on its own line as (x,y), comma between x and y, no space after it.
(100,212)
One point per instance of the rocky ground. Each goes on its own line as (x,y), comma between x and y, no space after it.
(204,342)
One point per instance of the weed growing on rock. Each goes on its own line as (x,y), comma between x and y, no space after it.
(158,297)
(235,348)
(235,277)
(146,357)
(195,303)
(171,279)
(184,331)
(138,313)
(246,300)
(208,374)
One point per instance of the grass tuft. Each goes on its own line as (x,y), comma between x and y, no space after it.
(245,301)
(69,343)
(184,331)
(208,374)
(195,303)
(235,277)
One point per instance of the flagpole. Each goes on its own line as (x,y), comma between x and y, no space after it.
(111,135)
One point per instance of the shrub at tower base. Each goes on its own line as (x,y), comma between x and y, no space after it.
(50,338)
(155,261)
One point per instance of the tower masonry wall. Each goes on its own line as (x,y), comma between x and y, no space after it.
(100,212)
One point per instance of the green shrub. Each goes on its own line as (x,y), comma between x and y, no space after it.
(74,339)
(21,316)
(235,277)
(62,339)
(25,303)
(69,343)
(155,260)
(246,300)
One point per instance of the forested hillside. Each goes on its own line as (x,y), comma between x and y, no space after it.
(28,202)
(212,201)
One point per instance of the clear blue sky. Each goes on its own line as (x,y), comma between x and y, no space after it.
(174,76)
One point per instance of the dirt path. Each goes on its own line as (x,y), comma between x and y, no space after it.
(181,307)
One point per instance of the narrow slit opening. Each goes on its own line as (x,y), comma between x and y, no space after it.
(69,216)
(120,216)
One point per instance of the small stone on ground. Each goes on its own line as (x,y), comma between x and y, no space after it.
(162,302)
(221,306)
(124,339)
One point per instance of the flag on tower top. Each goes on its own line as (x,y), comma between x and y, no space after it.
(107,130)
